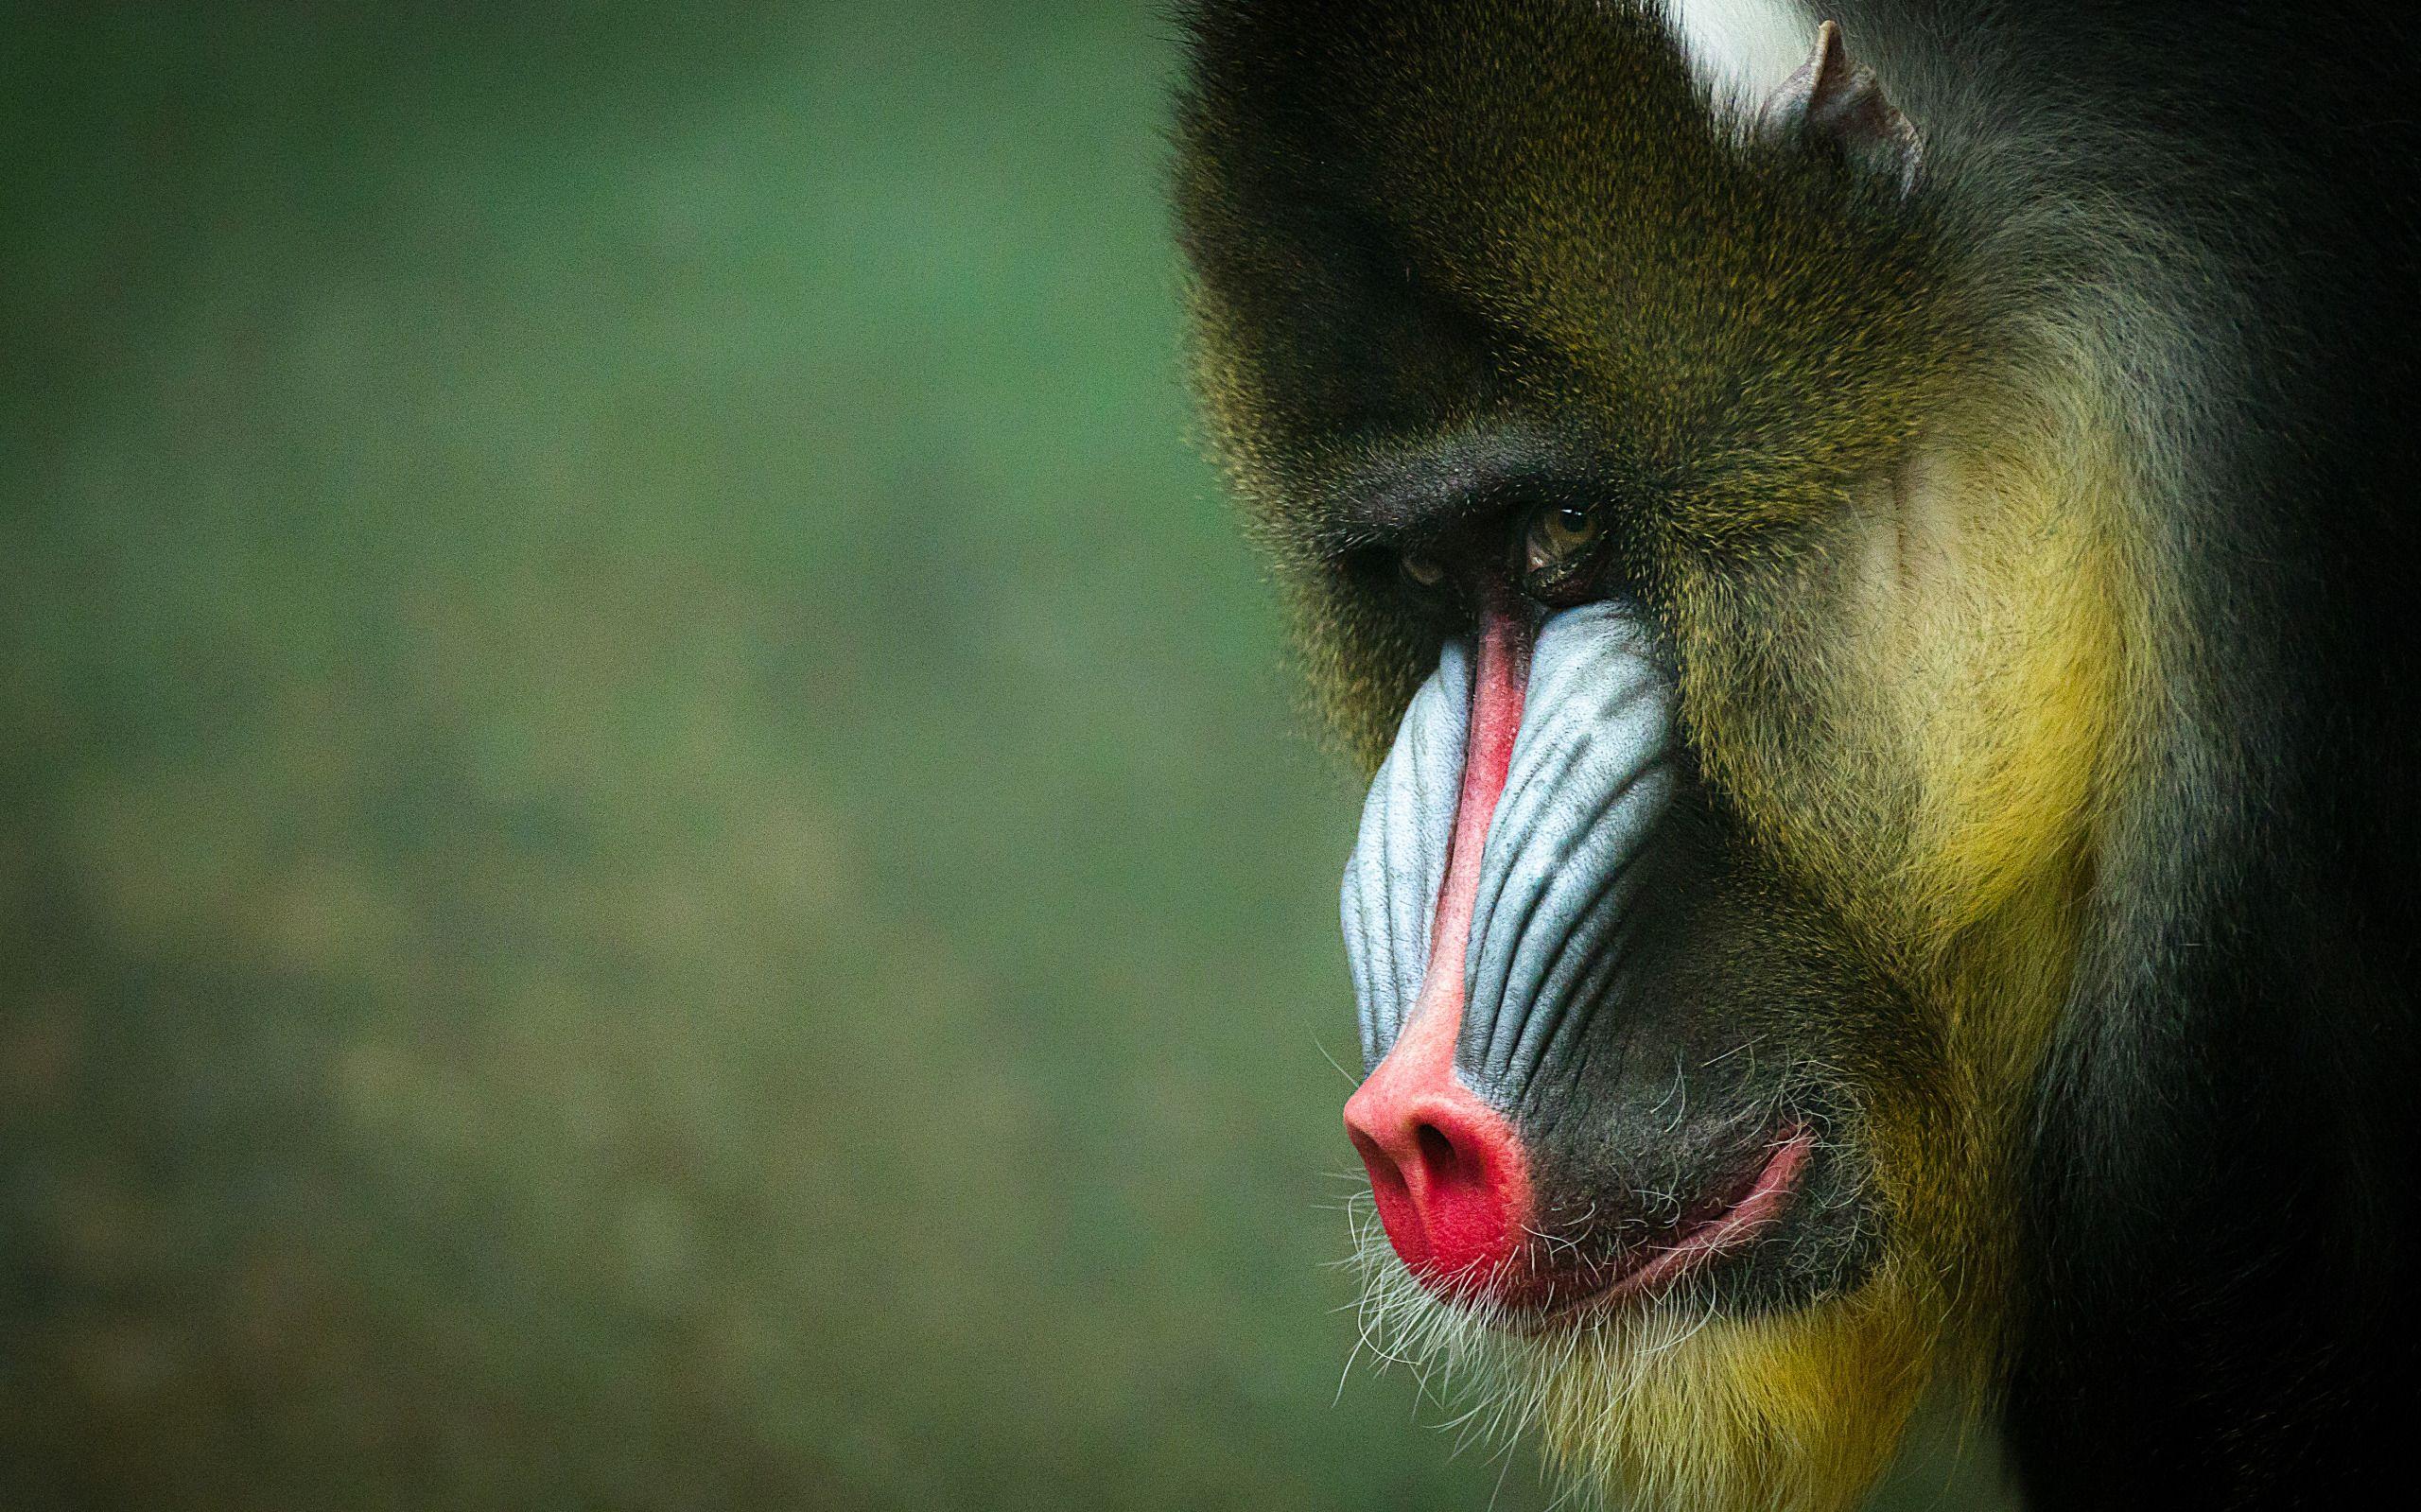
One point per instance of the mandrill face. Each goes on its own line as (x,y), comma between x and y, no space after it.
(1738,625)
(1670,1138)
(1567,1111)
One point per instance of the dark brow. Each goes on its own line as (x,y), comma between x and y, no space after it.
(1408,495)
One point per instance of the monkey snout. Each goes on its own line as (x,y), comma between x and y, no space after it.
(1483,911)
(1446,1169)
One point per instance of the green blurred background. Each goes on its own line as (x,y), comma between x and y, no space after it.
(655,852)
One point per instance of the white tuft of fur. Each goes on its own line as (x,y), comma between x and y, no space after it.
(1741,50)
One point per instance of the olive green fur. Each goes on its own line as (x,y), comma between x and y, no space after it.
(1730,332)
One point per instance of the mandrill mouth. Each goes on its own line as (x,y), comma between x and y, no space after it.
(1459,1219)
(1569,1282)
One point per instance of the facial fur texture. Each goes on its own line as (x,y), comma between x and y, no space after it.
(1891,466)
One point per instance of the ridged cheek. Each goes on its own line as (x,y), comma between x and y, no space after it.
(1398,862)
(1590,773)
(1562,883)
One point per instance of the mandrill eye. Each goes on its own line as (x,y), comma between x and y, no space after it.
(1558,533)
(1426,572)
(1558,550)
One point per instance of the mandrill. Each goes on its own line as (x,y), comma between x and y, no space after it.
(1871,551)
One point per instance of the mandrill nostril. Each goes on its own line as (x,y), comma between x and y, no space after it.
(1436,1152)
(1387,1179)
(1446,1173)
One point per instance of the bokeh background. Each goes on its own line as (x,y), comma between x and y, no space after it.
(655,848)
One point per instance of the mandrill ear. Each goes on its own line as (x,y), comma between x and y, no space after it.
(1832,101)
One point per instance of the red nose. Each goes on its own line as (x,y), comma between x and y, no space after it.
(1445,1167)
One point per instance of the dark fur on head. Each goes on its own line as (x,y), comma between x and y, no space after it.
(1390,261)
